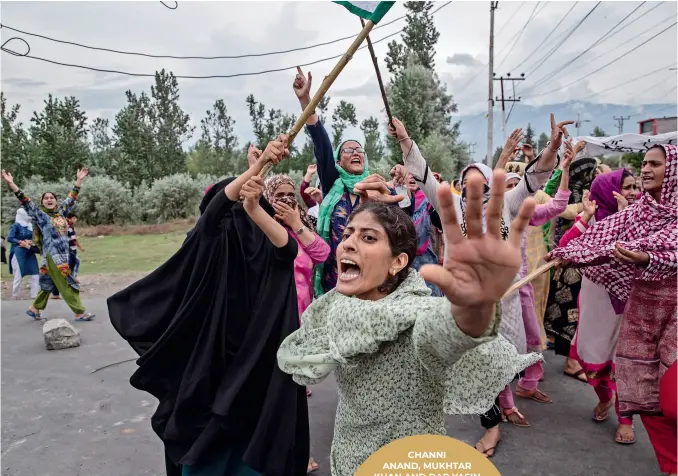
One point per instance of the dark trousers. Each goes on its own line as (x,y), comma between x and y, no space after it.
(492,417)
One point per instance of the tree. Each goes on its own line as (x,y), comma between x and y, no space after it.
(170,124)
(150,131)
(267,125)
(529,136)
(598,132)
(14,142)
(495,157)
(419,37)
(103,153)
(444,155)
(217,128)
(374,147)
(634,159)
(542,141)
(58,139)
(214,153)
(418,98)
(342,117)
(135,140)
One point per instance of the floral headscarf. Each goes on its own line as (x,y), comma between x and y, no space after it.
(272,184)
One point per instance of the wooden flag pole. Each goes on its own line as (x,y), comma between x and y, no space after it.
(381,83)
(533,275)
(322,90)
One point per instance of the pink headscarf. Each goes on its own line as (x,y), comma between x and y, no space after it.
(209,187)
(644,226)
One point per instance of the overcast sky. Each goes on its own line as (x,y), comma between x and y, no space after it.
(236,28)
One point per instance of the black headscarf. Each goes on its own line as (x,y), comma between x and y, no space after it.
(207,325)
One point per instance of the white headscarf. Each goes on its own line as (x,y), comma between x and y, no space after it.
(512,175)
(23,219)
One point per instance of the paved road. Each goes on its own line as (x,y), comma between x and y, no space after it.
(58,419)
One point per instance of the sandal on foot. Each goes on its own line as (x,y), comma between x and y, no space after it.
(88,316)
(578,375)
(520,421)
(602,411)
(487,452)
(312,466)
(618,437)
(33,315)
(536,395)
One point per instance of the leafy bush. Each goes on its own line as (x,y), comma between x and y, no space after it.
(175,196)
(105,201)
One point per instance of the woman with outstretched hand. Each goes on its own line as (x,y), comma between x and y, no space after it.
(402,358)
(536,174)
(207,325)
(634,256)
(339,172)
(50,235)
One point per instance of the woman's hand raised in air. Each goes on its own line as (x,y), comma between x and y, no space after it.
(374,188)
(479,268)
(7,177)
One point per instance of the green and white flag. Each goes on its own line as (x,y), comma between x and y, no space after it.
(374,11)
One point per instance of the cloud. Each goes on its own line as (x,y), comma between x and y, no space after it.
(23,83)
(462,59)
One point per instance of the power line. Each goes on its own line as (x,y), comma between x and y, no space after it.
(548,55)
(254,73)
(591,60)
(545,39)
(508,22)
(249,55)
(520,33)
(607,64)
(558,70)
(663,68)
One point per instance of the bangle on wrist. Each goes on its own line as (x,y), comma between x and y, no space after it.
(404,138)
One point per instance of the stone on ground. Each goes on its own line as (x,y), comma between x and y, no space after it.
(60,334)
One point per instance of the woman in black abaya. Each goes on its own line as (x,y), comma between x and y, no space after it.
(207,325)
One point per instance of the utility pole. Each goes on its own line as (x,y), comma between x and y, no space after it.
(620,123)
(472,148)
(504,100)
(490,96)
(578,123)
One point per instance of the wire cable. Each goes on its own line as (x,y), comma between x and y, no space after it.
(249,55)
(565,65)
(663,68)
(520,33)
(508,22)
(607,64)
(216,76)
(548,55)
(545,39)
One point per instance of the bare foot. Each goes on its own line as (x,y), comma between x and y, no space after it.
(625,435)
(488,443)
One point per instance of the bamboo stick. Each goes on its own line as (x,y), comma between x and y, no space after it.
(534,274)
(375,62)
(322,90)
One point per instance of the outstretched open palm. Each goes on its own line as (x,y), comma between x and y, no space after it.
(480,268)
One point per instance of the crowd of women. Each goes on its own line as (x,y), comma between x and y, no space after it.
(398,286)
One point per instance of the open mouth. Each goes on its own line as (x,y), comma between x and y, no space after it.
(356,161)
(349,270)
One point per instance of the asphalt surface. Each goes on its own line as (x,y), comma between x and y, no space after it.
(59,419)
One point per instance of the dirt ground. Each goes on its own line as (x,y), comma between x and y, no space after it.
(91,285)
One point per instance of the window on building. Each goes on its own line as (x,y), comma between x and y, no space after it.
(647,127)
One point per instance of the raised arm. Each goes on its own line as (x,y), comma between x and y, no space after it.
(322,146)
(252,191)
(415,163)
(558,204)
(31,208)
(315,246)
(510,149)
(71,199)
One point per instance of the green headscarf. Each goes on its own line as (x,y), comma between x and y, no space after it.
(345,181)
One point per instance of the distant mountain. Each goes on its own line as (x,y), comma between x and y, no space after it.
(474,127)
